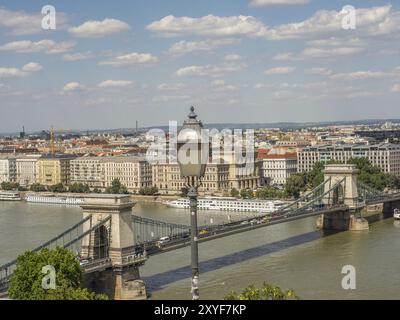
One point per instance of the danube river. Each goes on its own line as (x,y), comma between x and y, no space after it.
(290,255)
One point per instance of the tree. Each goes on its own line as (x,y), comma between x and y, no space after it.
(295,184)
(243,193)
(8,186)
(79,188)
(266,292)
(148,191)
(117,188)
(27,280)
(37,187)
(235,192)
(58,188)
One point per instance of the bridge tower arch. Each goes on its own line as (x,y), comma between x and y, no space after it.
(113,244)
(341,189)
(346,175)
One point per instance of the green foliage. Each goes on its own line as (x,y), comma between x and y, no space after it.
(96,190)
(247,194)
(269,193)
(79,188)
(26,281)
(117,188)
(235,193)
(8,186)
(59,188)
(148,191)
(295,184)
(37,187)
(266,292)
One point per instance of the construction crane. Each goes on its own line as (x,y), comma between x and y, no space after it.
(52,138)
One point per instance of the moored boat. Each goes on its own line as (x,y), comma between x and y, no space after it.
(10,196)
(230,204)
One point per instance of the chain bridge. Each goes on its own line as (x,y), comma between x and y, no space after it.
(112,244)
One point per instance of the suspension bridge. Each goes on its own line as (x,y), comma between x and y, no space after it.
(112,244)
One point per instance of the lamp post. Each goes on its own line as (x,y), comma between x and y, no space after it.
(192,156)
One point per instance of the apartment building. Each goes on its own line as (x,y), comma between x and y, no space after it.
(167,178)
(385,156)
(7,169)
(87,170)
(133,172)
(53,169)
(277,168)
(26,170)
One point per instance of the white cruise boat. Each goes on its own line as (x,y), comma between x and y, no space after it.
(54,200)
(10,196)
(396,214)
(230,204)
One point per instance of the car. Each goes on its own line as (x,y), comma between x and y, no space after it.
(244,222)
(164,240)
(83,262)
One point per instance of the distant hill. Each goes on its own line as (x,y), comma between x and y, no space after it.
(219,126)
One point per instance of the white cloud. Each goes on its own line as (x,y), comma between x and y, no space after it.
(232,57)
(184,47)
(260,3)
(32,67)
(279,70)
(22,23)
(133,58)
(171,87)
(78,56)
(97,29)
(360,75)
(114,83)
(24,71)
(170,98)
(208,70)
(369,21)
(395,88)
(10,73)
(221,86)
(208,26)
(45,46)
(319,71)
(73,86)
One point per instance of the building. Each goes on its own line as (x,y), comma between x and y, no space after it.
(167,178)
(53,170)
(26,170)
(7,170)
(277,168)
(87,170)
(133,172)
(385,156)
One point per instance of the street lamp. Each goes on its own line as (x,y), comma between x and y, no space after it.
(192,156)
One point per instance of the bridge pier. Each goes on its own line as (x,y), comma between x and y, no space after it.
(113,246)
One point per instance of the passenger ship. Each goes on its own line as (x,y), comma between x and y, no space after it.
(10,196)
(54,200)
(230,204)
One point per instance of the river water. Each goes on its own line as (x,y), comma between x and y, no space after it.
(291,255)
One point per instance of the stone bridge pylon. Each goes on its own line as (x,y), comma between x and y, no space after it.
(341,190)
(112,246)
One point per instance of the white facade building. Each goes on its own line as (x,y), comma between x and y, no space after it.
(7,170)
(385,156)
(26,170)
(277,168)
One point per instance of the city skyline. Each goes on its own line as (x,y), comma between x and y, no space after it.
(108,66)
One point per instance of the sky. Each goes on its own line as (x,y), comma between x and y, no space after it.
(110,63)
